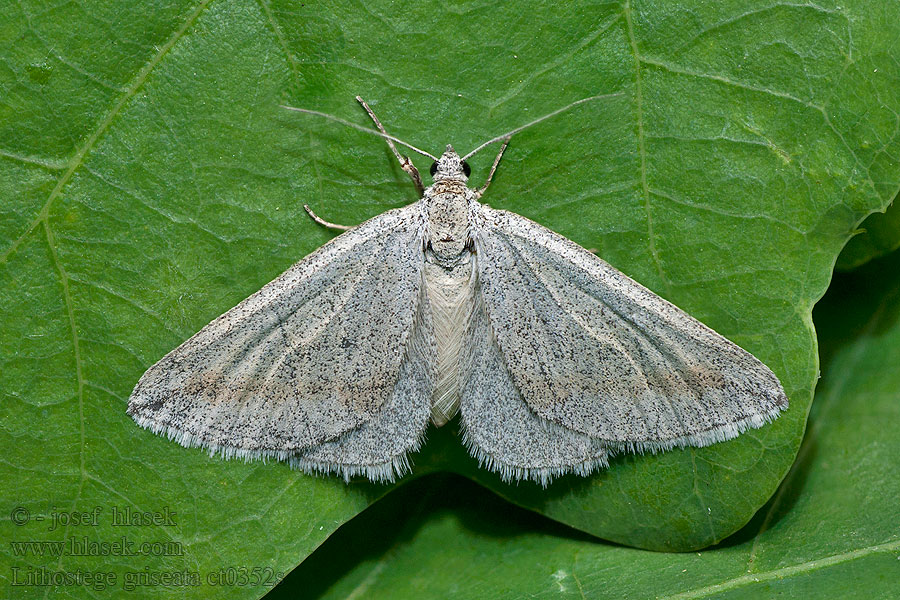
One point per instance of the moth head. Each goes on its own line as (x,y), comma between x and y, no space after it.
(450,166)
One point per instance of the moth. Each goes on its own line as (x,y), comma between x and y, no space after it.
(554,360)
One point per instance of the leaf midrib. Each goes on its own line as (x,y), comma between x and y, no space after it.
(783,572)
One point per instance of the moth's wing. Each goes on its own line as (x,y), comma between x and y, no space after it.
(314,354)
(592,350)
(499,428)
(378,449)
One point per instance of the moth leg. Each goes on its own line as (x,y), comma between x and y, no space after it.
(405,163)
(480,191)
(323,222)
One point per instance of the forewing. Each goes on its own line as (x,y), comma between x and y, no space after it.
(592,350)
(314,354)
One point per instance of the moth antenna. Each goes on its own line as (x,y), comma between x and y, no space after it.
(509,134)
(360,128)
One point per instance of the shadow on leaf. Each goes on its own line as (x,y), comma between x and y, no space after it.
(357,550)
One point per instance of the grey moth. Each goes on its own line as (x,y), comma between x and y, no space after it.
(554,360)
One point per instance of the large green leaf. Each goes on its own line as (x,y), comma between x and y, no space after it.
(150,182)
(830,531)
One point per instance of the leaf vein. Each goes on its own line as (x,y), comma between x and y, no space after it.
(642,151)
(559,60)
(78,158)
(79,374)
(727,213)
(783,572)
(750,13)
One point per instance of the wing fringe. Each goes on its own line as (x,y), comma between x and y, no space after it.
(385,472)
(543,476)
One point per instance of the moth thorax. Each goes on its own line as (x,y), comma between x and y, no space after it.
(448,222)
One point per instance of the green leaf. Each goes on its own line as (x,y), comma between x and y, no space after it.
(830,531)
(150,182)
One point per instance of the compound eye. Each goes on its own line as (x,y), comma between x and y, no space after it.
(466,168)
(433,168)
